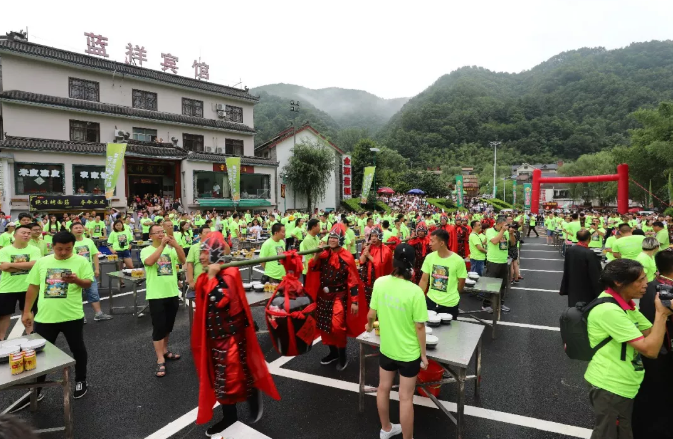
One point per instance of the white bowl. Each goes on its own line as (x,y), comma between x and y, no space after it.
(431,341)
(247,286)
(36,344)
(473,275)
(428,330)
(445,317)
(434,321)
(470,282)
(432,313)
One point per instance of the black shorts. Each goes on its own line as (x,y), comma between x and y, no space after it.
(8,303)
(407,369)
(163,312)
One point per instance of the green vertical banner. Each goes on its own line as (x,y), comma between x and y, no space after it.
(113,164)
(234,176)
(459,190)
(367,183)
(527,195)
(513,192)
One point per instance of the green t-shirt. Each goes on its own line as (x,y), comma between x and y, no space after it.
(297,233)
(96,228)
(606,369)
(404,230)
(193,257)
(648,264)
(86,248)
(6,239)
(352,245)
(496,253)
(146,223)
(234,229)
(17,282)
(443,275)
(162,277)
(184,239)
(476,240)
(120,240)
(662,237)
(532,221)
(387,234)
(40,244)
(273,269)
(58,301)
(608,244)
(399,304)
(596,239)
(573,227)
(309,243)
(629,246)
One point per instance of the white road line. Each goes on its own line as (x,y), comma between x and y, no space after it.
(526,244)
(542,259)
(478,412)
(543,271)
(518,325)
(533,289)
(258,270)
(17,330)
(281,361)
(240,430)
(169,430)
(531,250)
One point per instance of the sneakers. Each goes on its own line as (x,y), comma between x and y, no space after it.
(24,402)
(487,309)
(504,308)
(256,406)
(343,360)
(330,358)
(394,431)
(80,389)
(85,320)
(102,316)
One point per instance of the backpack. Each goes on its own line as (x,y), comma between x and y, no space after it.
(574,331)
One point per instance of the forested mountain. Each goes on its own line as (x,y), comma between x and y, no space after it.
(575,103)
(349,108)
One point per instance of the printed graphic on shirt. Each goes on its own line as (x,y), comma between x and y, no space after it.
(83,250)
(96,229)
(595,237)
(502,244)
(49,247)
(122,240)
(637,361)
(164,266)
(440,277)
(280,251)
(55,287)
(18,259)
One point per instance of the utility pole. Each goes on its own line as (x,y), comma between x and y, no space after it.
(294,107)
(495,145)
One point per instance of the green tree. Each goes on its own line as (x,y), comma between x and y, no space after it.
(361,158)
(309,169)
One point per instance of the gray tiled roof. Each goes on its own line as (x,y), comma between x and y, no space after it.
(165,150)
(36,50)
(221,158)
(120,110)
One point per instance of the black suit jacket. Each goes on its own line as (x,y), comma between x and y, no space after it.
(581,275)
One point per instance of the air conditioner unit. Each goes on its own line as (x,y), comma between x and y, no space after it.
(209,149)
(220,107)
(221,114)
(218,150)
(174,140)
(121,134)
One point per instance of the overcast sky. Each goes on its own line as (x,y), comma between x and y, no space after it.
(391,51)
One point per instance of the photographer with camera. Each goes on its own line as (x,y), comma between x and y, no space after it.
(621,335)
(655,397)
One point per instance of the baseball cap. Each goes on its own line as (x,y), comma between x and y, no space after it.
(404,256)
(11,224)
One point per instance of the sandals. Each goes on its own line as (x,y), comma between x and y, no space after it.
(161,369)
(170,356)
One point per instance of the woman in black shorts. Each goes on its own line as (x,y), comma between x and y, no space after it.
(402,312)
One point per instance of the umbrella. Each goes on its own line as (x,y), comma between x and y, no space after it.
(386,190)
(416,192)
(635,209)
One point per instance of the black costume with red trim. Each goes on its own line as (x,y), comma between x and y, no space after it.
(422,248)
(463,240)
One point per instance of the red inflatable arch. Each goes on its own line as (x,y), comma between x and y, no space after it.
(621,177)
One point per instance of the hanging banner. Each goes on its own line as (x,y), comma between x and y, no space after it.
(527,195)
(282,191)
(113,164)
(513,192)
(367,183)
(234,177)
(459,190)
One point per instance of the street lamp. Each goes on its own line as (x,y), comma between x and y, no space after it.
(294,107)
(374,150)
(495,145)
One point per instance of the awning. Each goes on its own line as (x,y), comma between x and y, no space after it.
(226,202)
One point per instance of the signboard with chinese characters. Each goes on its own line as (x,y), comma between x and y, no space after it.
(113,164)
(67,202)
(367,181)
(222,167)
(527,194)
(347,180)
(234,176)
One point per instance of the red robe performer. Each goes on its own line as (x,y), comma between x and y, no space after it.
(376,261)
(451,230)
(462,239)
(229,362)
(333,282)
(421,245)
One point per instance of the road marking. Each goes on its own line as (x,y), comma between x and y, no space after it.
(542,259)
(478,412)
(533,289)
(281,361)
(17,330)
(515,324)
(546,251)
(543,271)
(257,270)
(182,422)
(240,430)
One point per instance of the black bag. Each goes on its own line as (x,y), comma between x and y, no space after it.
(574,331)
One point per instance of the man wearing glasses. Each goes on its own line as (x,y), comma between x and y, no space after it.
(160,260)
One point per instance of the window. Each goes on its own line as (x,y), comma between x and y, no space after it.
(209,184)
(84,131)
(38,178)
(144,134)
(145,100)
(88,179)
(83,89)
(235,114)
(192,142)
(191,107)
(233,147)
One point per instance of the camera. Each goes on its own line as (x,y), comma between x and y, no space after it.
(665,294)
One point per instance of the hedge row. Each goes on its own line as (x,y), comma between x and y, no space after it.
(353,205)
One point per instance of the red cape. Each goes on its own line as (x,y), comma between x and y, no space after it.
(202,358)
(453,238)
(354,324)
(383,261)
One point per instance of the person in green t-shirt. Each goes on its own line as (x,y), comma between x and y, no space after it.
(96,228)
(120,239)
(7,237)
(444,275)
(298,232)
(184,236)
(573,227)
(161,273)
(532,221)
(56,282)
(402,313)
(661,233)
(310,241)
(477,242)
(616,370)
(146,222)
(273,270)
(36,239)
(498,239)
(646,257)
(350,241)
(597,234)
(194,266)
(16,260)
(86,248)
(234,230)
(628,245)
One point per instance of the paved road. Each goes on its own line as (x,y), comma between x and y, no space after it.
(529,388)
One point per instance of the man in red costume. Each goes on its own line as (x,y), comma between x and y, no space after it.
(376,261)
(462,238)
(229,362)
(421,244)
(333,282)
(451,230)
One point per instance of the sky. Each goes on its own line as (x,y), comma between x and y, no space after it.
(388,48)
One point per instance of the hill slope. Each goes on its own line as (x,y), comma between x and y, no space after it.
(349,108)
(575,103)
